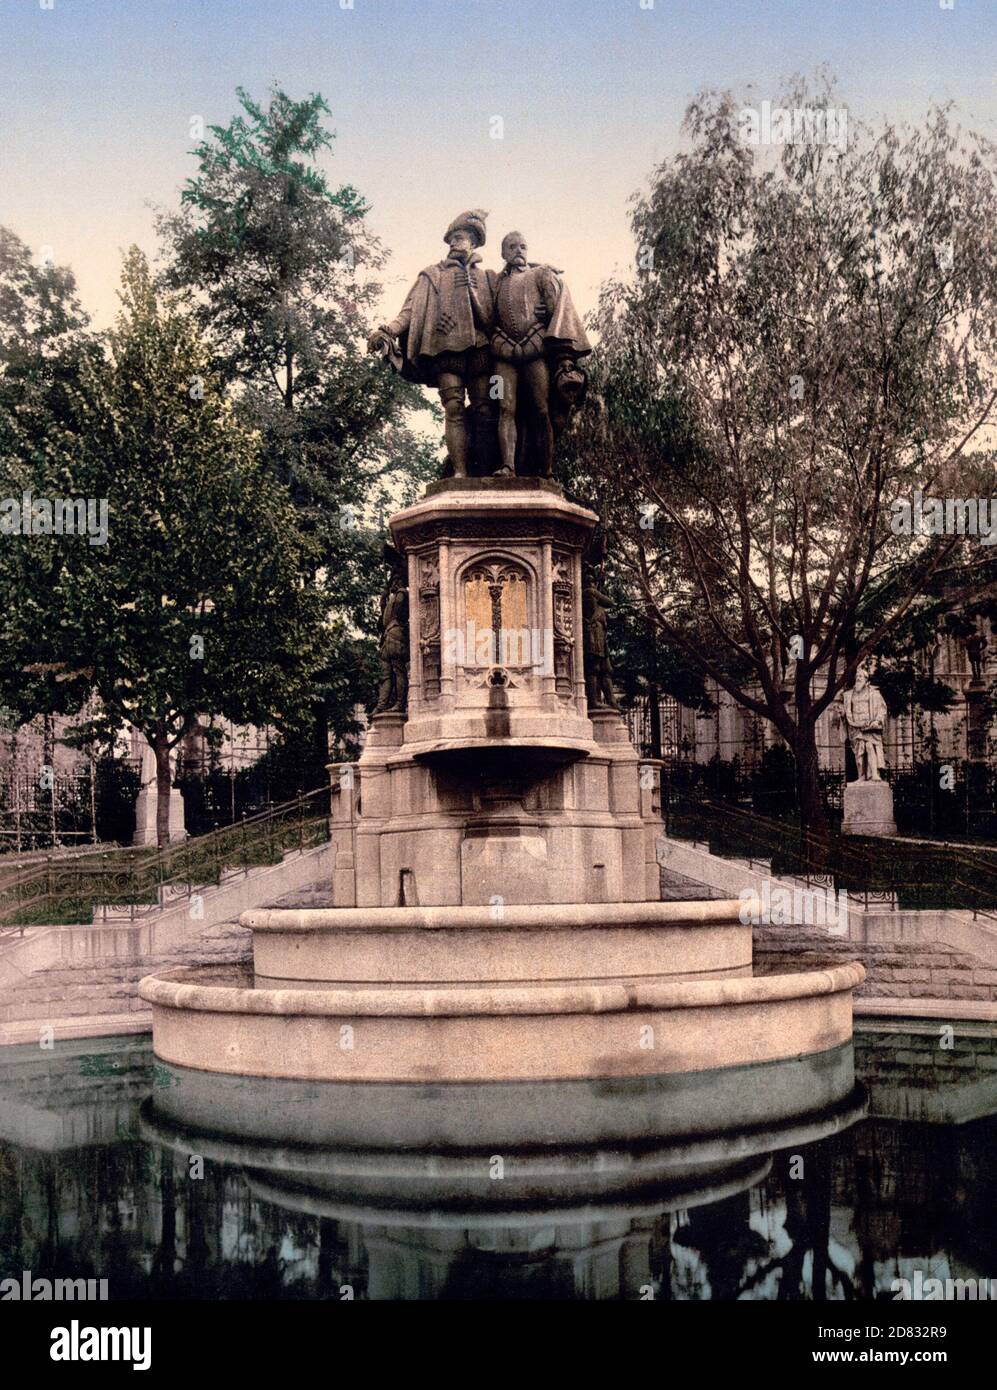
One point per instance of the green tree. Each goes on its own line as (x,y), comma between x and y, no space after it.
(44,344)
(280,270)
(807,339)
(195,601)
(40,312)
(645,665)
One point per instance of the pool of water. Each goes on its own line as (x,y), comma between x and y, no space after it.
(184,1185)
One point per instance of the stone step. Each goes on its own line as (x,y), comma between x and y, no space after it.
(306,897)
(928,970)
(676,887)
(85,990)
(93,1026)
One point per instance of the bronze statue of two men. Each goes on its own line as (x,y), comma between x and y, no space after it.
(510,338)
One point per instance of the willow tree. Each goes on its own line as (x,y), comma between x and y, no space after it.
(809,337)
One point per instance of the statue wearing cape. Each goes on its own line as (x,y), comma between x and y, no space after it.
(537,343)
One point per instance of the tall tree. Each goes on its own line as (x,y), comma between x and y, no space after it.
(194,601)
(817,329)
(44,344)
(280,270)
(40,312)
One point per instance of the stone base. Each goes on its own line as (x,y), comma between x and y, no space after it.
(215,1021)
(520,820)
(868,809)
(498,946)
(145,817)
(469,994)
(497,787)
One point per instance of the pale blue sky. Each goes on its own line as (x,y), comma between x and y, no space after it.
(96,98)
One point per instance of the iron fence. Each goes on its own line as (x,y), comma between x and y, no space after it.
(41,808)
(137,880)
(892,872)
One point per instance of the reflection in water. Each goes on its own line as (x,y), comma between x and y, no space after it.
(762,1183)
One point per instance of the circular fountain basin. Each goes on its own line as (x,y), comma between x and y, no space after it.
(213,1021)
(443,947)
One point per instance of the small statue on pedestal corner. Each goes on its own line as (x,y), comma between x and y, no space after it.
(392,695)
(598,667)
(865,717)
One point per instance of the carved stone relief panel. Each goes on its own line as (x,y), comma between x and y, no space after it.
(564,636)
(429,625)
(496,609)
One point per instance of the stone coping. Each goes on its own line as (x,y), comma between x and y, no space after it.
(26,1033)
(494,482)
(180,989)
(951,1010)
(522,917)
(498,501)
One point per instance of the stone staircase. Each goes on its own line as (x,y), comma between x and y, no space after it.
(911,971)
(929,964)
(679,888)
(87,998)
(83,979)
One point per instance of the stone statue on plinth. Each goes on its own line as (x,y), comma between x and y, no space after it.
(976,647)
(865,716)
(868,801)
(392,696)
(440,338)
(536,342)
(598,667)
(975,695)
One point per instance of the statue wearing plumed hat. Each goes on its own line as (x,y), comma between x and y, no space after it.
(441,338)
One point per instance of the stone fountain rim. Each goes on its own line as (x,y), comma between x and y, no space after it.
(482,500)
(178,989)
(734,912)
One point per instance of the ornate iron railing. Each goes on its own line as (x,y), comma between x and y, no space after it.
(67,888)
(907,873)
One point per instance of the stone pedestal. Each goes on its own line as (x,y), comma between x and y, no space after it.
(498,786)
(145,804)
(145,817)
(868,809)
(976,722)
(497,907)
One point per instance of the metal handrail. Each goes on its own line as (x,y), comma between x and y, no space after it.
(969,872)
(141,871)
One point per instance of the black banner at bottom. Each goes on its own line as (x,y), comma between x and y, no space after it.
(231,1338)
